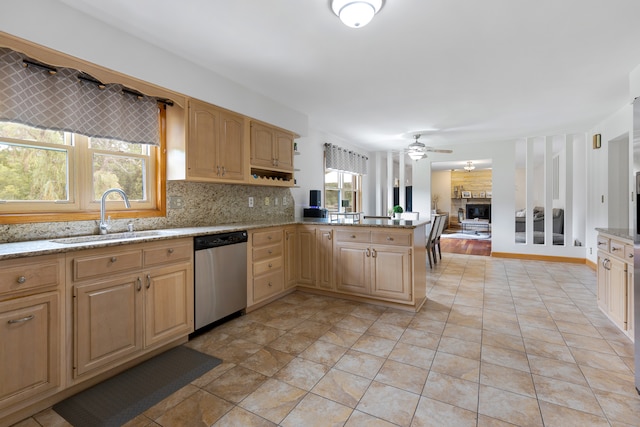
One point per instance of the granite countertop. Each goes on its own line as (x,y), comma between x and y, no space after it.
(623,233)
(75,243)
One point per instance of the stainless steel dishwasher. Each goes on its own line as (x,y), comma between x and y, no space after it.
(220,268)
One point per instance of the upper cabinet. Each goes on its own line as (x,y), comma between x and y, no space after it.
(206,143)
(271,155)
(215,144)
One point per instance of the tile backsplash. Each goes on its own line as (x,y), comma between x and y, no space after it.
(189,204)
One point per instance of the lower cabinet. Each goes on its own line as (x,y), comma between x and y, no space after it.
(374,269)
(615,281)
(30,357)
(266,270)
(306,259)
(132,311)
(324,256)
(291,255)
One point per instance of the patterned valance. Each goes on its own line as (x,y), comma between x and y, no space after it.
(58,99)
(341,159)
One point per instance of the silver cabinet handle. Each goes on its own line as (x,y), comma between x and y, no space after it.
(138,284)
(148,281)
(353,236)
(374,253)
(21,279)
(390,238)
(218,172)
(270,265)
(170,250)
(224,171)
(614,249)
(630,255)
(270,251)
(368,252)
(22,320)
(114,259)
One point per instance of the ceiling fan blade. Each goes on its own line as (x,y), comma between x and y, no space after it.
(434,150)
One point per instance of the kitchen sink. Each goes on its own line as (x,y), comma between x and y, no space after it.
(106,237)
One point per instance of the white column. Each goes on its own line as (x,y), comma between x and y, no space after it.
(402,187)
(389,181)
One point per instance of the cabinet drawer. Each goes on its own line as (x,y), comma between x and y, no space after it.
(357,236)
(267,237)
(267,285)
(168,253)
(395,239)
(262,267)
(628,253)
(616,248)
(267,252)
(98,265)
(603,243)
(28,275)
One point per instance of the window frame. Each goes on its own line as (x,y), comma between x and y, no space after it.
(357,190)
(90,210)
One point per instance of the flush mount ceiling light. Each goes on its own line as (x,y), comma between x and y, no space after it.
(469,167)
(356,13)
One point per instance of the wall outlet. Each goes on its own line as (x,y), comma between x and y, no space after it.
(176,202)
(590,251)
(250,202)
(266,201)
(285,201)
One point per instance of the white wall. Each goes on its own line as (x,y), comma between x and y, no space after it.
(441,185)
(310,163)
(597,172)
(57,26)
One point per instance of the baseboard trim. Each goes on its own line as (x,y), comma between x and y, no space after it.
(534,257)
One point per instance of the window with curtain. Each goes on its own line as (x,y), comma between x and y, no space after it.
(343,179)
(65,138)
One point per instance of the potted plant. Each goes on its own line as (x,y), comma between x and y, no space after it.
(396,211)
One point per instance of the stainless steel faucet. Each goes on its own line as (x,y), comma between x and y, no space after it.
(106,225)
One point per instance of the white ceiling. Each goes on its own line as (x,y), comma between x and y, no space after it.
(476,70)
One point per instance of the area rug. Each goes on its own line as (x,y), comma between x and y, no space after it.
(469,235)
(127,395)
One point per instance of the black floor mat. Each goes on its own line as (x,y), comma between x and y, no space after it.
(125,396)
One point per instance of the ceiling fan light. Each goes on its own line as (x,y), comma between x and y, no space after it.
(416,155)
(469,167)
(356,14)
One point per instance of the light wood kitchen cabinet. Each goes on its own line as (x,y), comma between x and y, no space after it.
(30,330)
(306,262)
(615,281)
(266,272)
(376,263)
(135,299)
(291,255)
(324,254)
(271,148)
(215,144)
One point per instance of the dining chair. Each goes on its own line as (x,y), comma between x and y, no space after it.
(410,216)
(436,244)
(435,225)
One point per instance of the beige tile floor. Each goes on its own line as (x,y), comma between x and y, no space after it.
(499,343)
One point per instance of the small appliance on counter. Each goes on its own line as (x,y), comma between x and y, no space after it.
(314,210)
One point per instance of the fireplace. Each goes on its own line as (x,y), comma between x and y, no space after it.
(481,211)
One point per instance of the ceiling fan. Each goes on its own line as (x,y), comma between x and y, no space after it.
(417,150)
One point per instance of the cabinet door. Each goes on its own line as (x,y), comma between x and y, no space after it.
(202,153)
(324,249)
(617,302)
(353,266)
(391,275)
(284,150)
(306,256)
(630,303)
(30,355)
(262,147)
(602,274)
(231,147)
(290,257)
(168,300)
(107,320)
